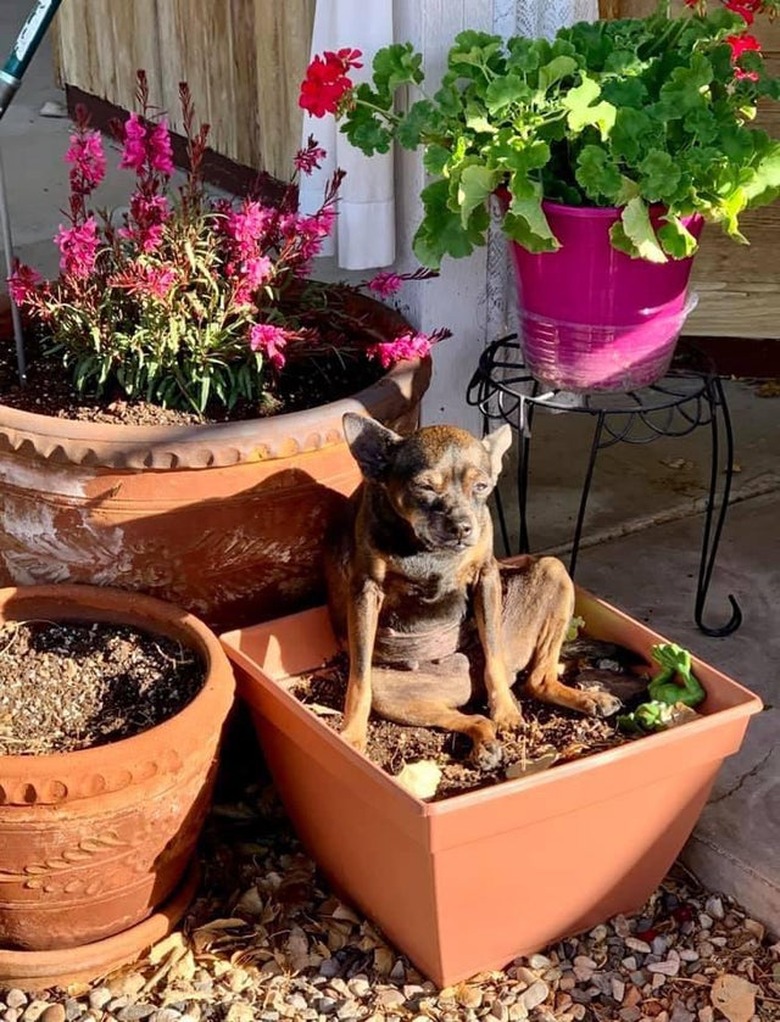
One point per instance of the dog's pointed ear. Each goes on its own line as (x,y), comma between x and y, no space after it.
(370,443)
(497,444)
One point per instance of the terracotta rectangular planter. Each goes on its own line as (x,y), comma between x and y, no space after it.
(468,883)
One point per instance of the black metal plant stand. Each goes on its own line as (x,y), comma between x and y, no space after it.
(691,395)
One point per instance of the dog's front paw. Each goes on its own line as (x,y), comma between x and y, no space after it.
(600,704)
(507,718)
(487,756)
(355,737)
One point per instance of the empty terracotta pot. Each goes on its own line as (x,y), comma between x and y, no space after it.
(95,845)
(226,520)
(468,883)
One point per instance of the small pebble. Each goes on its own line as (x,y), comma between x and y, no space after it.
(33,1011)
(54,1013)
(535,995)
(713,906)
(539,962)
(638,945)
(15,998)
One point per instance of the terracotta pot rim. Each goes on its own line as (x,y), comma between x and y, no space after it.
(214,445)
(212,702)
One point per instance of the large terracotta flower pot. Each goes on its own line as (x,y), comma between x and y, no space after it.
(226,520)
(470,882)
(593,318)
(95,845)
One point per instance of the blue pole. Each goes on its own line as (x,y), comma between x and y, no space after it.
(24,49)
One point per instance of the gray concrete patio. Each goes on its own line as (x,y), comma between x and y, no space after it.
(642,534)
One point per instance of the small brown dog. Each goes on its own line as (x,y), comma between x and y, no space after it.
(410,571)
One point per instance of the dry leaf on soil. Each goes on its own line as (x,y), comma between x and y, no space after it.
(735,997)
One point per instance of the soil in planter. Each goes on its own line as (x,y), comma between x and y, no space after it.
(49,391)
(551,735)
(70,685)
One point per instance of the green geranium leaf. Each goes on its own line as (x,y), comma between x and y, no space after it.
(598,175)
(737,143)
(441,232)
(396,65)
(526,224)
(764,186)
(676,240)
(366,132)
(630,133)
(477,122)
(584,111)
(558,69)
(475,185)
(422,120)
(524,56)
(634,233)
(660,176)
(435,159)
(473,49)
(684,91)
(702,123)
(503,92)
(630,92)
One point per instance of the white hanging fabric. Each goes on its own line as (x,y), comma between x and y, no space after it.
(364,236)
(544,17)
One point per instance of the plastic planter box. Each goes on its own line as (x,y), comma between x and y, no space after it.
(468,883)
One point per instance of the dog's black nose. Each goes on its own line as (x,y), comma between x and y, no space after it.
(462,529)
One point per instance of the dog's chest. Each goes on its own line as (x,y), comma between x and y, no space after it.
(425,587)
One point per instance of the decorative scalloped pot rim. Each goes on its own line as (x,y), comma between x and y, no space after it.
(214,445)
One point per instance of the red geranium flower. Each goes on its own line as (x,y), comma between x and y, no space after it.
(740,44)
(747,9)
(326,82)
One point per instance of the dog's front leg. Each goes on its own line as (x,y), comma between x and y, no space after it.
(362,618)
(504,710)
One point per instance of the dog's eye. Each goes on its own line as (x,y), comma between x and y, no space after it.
(481,487)
(426,490)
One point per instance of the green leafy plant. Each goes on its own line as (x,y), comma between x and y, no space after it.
(673,692)
(633,113)
(193,301)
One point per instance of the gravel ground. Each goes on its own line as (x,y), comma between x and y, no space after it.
(266,940)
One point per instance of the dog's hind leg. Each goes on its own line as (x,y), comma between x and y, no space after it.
(431,696)
(538,604)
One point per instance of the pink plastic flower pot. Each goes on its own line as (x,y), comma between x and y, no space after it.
(470,882)
(593,318)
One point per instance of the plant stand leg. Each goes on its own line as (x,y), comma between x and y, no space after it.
(595,446)
(711,535)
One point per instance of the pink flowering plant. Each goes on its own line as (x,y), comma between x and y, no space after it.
(630,113)
(194,302)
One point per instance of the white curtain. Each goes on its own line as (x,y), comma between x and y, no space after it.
(364,236)
(542,17)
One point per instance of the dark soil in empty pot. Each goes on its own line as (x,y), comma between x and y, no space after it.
(73,685)
(550,735)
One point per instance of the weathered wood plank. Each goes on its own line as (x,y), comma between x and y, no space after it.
(243,60)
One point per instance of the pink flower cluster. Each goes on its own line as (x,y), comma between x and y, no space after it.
(406,346)
(186,290)
(270,341)
(147,146)
(78,247)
